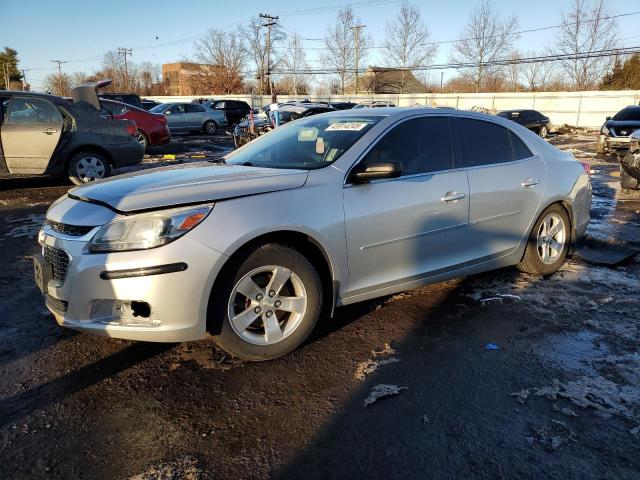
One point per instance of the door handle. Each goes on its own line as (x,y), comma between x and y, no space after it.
(452,197)
(530,182)
(49,131)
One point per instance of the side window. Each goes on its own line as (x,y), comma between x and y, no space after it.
(422,145)
(520,150)
(193,108)
(486,143)
(177,109)
(30,110)
(222,105)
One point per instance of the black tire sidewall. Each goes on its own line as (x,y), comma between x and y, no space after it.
(627,181)
(73,175)
(272,254)
(210,122)
(146,139)
(531,256)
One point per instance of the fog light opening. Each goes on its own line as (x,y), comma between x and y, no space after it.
(141,309)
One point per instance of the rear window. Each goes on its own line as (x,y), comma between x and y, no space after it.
(487,143)
(629,113)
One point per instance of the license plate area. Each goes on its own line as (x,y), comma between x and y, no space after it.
(42,272)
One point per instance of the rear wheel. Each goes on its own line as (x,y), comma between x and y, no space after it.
(210,127)
(268,304)
(548,243)
(142,139)
(86,167)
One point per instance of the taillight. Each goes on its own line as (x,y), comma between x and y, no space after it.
(131,128)
(587,167)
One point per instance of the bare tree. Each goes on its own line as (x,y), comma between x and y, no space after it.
(149,77)
(586,28)
(406,43)
(340,47)
(255,34)
(513,71)
(535,75)
(60,85)
(223,57)
(485,39)
(294,62)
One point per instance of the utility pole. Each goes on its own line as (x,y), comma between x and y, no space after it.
(59,62)
(441,80)
(356,33)
(125,52)
(271,21)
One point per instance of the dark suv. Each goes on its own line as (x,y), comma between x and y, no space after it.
(616,131)
(235,110)
(531,119)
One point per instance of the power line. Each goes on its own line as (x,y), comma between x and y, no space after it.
(125,52)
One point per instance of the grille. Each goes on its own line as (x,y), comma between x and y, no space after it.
(624,131)
(71,230)
(59,261)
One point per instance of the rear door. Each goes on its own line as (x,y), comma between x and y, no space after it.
(403,229)
(30,134)
(506,184)
(195,116)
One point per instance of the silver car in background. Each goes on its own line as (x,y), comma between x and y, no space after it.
(322,212)
(191,117)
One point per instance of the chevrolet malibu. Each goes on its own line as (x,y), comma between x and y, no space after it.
(322,212)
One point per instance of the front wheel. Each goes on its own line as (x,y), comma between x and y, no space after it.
(86,167)
(210,127)
(548,243)
(544,131)
(268,304)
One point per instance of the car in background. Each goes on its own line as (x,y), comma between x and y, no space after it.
(235,110)
(327,210)
(342,105)
(191,117)
(374,104)
(617,130)
(128,98)
(531,119)
(630,164)
(45,134)
(152,128)
(149,104)
(243,133)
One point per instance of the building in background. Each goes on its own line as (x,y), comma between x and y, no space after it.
(185,78)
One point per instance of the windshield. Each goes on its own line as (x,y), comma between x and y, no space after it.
(629,113)
(308,143)
(158,108)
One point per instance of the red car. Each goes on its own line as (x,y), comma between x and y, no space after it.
(152,127)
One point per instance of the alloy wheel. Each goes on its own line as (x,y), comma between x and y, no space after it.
(90,168)
(267,305)
(551,239)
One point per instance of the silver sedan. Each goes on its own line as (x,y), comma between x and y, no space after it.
(323,212)
(191,117)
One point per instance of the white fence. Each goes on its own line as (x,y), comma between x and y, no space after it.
(582,109)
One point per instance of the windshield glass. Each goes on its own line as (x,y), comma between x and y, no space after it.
(629,113)
(308,143)
(158,108)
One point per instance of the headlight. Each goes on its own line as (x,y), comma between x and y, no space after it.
(147,230)
(604,130)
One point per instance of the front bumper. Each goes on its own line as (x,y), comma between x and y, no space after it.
(86,299)
(614,144)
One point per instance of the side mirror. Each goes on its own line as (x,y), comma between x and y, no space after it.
(608,118)
(167,112)
(366,172)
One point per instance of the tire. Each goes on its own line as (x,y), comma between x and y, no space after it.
(86,167)
(543,131)
(210,127)
(230,308)
(534,260)
(142,139)
(627,181)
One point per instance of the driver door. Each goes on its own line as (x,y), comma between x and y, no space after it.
(30,134)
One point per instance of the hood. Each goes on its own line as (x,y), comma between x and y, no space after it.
(88,92)
(186,184)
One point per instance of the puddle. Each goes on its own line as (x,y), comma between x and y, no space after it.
(574,350)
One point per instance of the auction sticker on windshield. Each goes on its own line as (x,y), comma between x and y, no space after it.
(347,126)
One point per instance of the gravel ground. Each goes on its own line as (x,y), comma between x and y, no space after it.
(501,375)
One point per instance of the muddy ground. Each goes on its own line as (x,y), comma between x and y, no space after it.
(502,375)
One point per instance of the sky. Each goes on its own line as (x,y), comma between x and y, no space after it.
(162,31)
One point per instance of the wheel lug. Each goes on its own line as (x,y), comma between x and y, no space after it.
(257,310)
(269,314)
(259,297)
(278,303)
(272,293)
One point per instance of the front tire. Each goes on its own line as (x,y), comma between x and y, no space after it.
(548,243)
(544,131)
(210,127)
(86,167)
(268,303)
